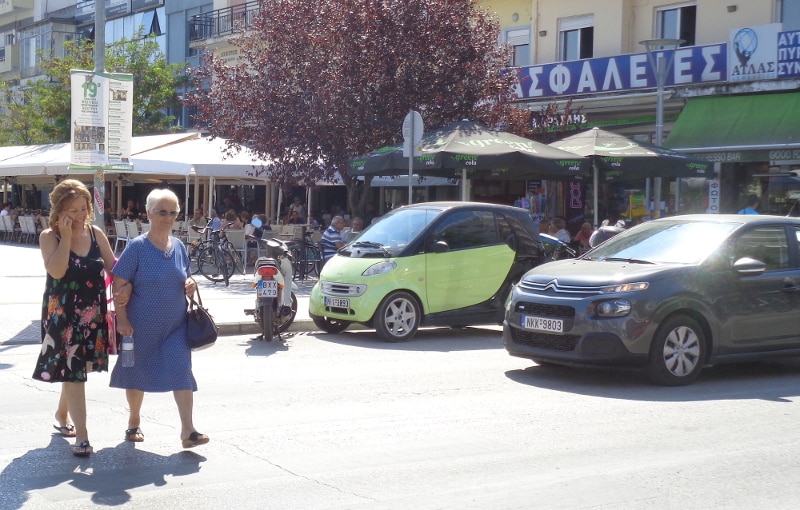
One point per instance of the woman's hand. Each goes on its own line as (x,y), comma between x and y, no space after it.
(122,294)
(190,286)
(124,327)
(65,227)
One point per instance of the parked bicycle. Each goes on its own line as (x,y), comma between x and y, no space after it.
(307,256)
(215,258)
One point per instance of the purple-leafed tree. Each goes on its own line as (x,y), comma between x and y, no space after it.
(317,83)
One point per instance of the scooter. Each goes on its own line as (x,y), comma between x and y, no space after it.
(276,299)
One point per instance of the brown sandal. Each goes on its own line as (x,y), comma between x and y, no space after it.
(82,449)
(134,435)
(195,439)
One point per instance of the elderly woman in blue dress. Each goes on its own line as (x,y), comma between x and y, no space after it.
(151,279)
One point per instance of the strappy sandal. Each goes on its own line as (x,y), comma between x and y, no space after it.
(67,430)
(82,449)
(134,435)
(195,439)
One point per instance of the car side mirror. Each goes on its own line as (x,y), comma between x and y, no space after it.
(440,247)
(746,266)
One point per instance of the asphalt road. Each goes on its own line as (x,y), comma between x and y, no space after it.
(448,420)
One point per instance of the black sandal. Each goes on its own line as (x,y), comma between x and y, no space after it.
(82,449)
(134,435)
(195,439)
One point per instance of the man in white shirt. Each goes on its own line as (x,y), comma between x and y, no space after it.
(559,230)
(6,209)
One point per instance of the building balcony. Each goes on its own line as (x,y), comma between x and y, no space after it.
(208,28)
(8,6)
(9,62)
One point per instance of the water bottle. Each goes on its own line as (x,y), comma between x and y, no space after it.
(126,351)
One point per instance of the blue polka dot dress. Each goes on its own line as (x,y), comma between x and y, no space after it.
(157,312)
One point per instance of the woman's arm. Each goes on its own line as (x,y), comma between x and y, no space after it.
(55,251)
(122,293)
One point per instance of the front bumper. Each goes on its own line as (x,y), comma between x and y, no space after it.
(358,308)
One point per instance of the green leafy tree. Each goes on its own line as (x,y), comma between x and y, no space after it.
(318,83)
(39,111)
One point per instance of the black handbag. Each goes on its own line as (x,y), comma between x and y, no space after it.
(201,331)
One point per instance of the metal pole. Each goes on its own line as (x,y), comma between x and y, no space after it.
(661,74)
(99,67)
(660,65)
(411,158)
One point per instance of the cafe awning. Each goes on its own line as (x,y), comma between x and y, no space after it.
(758,127)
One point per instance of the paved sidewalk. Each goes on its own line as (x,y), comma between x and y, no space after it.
(22,279)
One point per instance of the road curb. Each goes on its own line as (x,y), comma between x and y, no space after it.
(252,327)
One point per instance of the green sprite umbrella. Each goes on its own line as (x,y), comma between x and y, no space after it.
(616,157)
(479,152)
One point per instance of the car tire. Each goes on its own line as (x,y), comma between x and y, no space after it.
(329,325)
(397,318)
(677,352)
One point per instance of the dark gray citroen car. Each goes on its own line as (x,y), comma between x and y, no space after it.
(670,296)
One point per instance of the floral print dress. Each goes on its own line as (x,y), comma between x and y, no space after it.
(74,327)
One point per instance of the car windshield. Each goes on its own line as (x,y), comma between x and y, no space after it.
(668,242)
(394,231)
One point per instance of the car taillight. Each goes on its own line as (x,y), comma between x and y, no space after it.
(267,271)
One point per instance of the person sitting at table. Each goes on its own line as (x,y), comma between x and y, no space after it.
(295,219)
(232,221)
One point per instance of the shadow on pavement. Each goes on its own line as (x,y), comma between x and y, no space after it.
(109,474)
(427,339)
(769,380)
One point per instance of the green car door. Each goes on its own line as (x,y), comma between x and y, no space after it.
(471,267)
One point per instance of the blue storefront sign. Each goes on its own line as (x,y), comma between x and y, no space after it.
(692,65)
(789,54)
(753,53)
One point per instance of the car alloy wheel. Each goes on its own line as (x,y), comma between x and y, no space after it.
(397,318)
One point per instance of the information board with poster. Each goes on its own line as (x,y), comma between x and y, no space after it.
(102,120)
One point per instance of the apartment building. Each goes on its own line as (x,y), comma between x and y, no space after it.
(731,92)
(32,28)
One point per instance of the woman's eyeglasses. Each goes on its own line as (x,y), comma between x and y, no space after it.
(164,213)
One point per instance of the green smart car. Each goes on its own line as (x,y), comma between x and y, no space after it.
(429,264)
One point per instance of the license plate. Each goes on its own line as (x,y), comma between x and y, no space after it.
(267,288)
(542,324)
(337,302)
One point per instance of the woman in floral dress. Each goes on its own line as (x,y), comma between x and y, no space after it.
(74,326)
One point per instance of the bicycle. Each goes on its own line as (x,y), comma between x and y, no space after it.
(216,258)
(308,262)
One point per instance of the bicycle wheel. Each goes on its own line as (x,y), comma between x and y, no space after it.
(238,263)
(312,260)
(194,253)
(228,260)
(207,265)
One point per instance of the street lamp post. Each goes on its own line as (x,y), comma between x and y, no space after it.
(660,65)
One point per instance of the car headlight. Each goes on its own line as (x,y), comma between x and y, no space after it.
(611,308)
(380,268)
(624,287)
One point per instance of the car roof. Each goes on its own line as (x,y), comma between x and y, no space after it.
(461,205)
(735,218)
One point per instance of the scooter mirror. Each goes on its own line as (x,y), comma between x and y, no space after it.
(256,222)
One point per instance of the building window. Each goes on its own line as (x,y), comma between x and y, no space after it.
(576,37)
(677,23)
(789,14)
(520,41)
